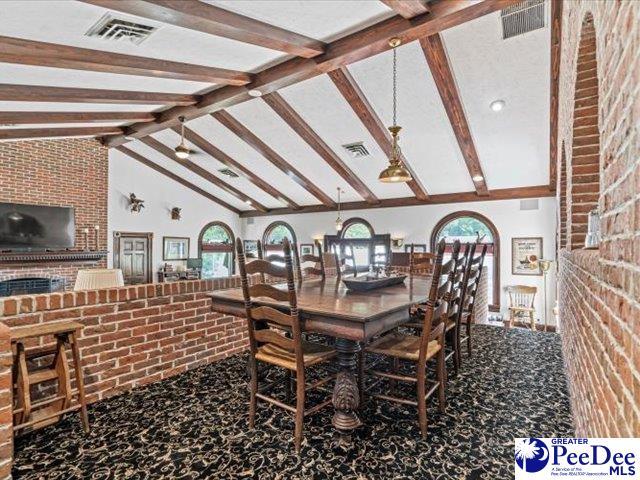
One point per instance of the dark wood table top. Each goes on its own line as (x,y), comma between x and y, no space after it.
(328,307)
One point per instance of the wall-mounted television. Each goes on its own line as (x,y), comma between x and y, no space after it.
(36,227)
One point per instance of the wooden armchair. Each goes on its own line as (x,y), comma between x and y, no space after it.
(521,301)
(420,349)
(275,338)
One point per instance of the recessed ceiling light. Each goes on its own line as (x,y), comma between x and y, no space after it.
(497,105)
(477,178)
(255,93)
(248,202)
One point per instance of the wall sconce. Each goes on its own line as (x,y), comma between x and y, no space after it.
(397,242)
(175,213)
(136,204)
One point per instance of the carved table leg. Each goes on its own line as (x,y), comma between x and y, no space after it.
(346,398)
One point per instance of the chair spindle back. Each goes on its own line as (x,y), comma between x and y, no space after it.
(261,317)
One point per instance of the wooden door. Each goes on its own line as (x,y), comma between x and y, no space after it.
(132,254)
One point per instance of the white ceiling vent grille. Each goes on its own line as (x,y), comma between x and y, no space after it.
(522,18)
(356,150)
(117,29)
(228,172)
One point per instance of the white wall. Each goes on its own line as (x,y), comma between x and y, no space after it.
(160,194)
(415,224)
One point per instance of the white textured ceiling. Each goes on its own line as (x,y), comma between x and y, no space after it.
(513,145)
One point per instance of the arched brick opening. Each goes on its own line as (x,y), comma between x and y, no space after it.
(585,154)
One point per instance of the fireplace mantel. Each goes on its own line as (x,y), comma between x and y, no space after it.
(40,258)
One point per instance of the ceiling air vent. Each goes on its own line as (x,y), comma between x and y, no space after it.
(228,172)
(356,150)
(118,29)
(531,204)
(522,17)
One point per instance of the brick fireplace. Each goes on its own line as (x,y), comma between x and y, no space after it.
(67,172)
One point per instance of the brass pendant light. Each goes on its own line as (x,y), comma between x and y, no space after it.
(395,172)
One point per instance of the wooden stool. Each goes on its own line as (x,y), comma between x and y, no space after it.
(49,410)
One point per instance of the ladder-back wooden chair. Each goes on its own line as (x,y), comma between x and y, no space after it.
(268,342)
(420,263)
(278,258)
(455,268)
(317,260)
(420,349)
(473,275)
(521,301)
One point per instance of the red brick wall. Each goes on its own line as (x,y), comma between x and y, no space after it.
(599,290)
(6,432)
(58,173)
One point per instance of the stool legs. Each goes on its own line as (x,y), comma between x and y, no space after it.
(79,381)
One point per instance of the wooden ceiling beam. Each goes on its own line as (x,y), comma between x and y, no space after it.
(354,96)
(408,8)
(37,93)
(206,18)
(537,191)
(362,44)
(31,52)
(25,133)
(237,167)
(271,155)
(176,178)
(438,62)
(34,118)
(302,128)
(202,172)
(556,40)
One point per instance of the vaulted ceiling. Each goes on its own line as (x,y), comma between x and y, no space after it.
(324,69)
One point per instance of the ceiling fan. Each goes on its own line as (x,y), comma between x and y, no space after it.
(182,151)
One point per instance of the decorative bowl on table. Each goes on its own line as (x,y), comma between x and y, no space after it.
(365,283)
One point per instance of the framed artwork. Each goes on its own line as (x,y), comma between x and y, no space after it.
(175,248)
(306,249)
(250,248)
(525,253)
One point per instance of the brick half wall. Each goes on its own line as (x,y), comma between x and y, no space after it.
(132,336)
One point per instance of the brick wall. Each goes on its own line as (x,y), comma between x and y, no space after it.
(132,335)
(599,290)
(58,173)
(6,431)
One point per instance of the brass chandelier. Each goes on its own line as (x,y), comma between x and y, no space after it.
(395,172)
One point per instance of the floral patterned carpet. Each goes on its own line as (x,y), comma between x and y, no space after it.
(194,426)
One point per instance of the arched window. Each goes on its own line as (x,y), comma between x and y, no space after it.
(356,228)
(215,247)
(275,233)
(467,227)
(358,238)
(584,176)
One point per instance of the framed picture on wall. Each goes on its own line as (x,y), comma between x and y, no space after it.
(306,249)
(525,254)
(175,248)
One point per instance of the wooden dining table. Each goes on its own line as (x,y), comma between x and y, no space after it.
(352,318)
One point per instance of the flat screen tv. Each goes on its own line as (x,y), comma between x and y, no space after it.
(36,227)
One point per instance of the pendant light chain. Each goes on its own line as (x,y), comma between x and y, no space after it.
(395,86)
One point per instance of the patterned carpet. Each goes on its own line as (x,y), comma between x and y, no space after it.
(194,426)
